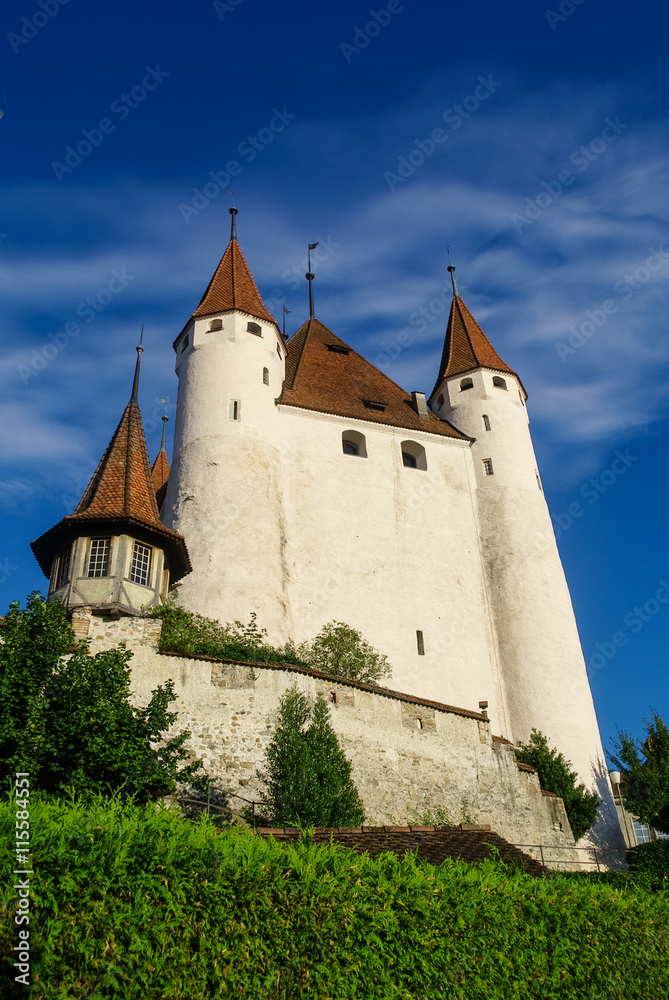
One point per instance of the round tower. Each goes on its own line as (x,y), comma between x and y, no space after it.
(540,658)
(230,361)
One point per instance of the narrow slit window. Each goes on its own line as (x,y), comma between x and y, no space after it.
(486,421)
(440,401)
(235,409)
(538,481)
(265,376)
(141,564)
(333,697)
(420,643)
(487,467)
(63,573)
(184,344)
(419,723)
(98,561)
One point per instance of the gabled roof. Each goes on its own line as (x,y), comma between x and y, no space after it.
(160,473)
(466,346)
(323,373)
(232,287)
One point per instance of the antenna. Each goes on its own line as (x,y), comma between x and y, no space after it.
(310,277)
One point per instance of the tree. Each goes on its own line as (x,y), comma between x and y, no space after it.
(555,775)
(341,650)
(307,775)
(67,719)
(644,768)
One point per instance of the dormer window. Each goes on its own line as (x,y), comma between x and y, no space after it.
(498,381)
(338,349)
(254,328)
(373,404)
(466,383)
(215,324)
(98,560)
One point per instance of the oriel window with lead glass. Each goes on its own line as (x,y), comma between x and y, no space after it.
(98,561)
(141,564)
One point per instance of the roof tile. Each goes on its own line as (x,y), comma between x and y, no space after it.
(232,287)
(466,346)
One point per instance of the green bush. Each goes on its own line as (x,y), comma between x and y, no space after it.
(555,775)
(307,776)
(133,903)
(644,765)
(192,634)
(341,650)
(652,861)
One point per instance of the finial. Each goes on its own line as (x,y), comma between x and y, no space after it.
(286,312)
(451,270)
(164,419)
(310,277)
(135,384)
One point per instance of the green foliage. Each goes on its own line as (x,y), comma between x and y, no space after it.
(651,860)
(67,720)
(429,815)
(141,904)
(307,775)
(341,650)
(192,634)
(555,775)
(645,773)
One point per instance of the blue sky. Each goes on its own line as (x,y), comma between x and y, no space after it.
(532,139)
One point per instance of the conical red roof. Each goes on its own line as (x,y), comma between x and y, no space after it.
(160,473)
(233,287)
(466,346)
(323,373)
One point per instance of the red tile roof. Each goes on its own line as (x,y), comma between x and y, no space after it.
(466,346)
(233,287)
(160,473)
(342,382)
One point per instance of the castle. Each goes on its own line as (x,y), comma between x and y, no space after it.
(307,486)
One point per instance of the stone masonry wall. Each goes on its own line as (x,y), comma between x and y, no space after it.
(408,755)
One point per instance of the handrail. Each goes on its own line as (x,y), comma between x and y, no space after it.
(565,847)
(216,809)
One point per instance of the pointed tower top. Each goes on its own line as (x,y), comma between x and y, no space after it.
(466,346)
(232,285)
(135,383)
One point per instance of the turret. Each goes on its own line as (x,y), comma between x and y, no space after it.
(540,658)
(230,359)
(113,554)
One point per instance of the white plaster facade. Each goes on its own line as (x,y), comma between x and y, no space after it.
(280,521)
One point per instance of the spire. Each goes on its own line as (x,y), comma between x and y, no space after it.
(232,285)
(310,277)
(160,470)
(466,346)
(135,383)
(164,418)
(451,270)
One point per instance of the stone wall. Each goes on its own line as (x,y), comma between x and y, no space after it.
(408,755)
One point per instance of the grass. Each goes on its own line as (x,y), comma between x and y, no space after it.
(140,903)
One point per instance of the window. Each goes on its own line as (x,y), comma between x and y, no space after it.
(420,643)
(215,324)
(141,563)
(184,344)
(641,832)
(98,562)
(521,397)
(235,409)
(353,443)
(254,328)
(338,349)
(333,697)
(498,381)
(486,421)
(374,404)
(265,376)
(538,480)
(487,467)
(63,571)
(466,383)
(413,455)
(419,723)
(278,351)
(440,401)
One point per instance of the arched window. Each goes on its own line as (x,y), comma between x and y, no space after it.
(215,324)
(466,383)
(254,328)
(265,376)
(353,443)
(440,401)
(499,381)
(486,421)
(413,455)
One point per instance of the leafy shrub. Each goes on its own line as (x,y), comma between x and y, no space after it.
(192,634)
(341,650)
(645,772)
(68,721)
(307,775)
(136,903)
(651,860)
(555,776)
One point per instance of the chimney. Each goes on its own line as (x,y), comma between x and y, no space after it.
(420,405)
